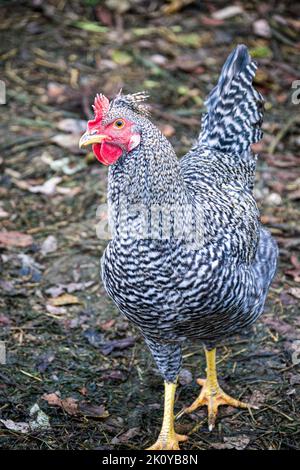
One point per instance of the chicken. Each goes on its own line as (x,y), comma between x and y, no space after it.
(189,258)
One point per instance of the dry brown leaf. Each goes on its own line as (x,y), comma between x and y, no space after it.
(49,245)
(3,213)
(74,126)
(73,407)
(238,443)
(227,12)
(52,399)
(48,188)
(93,411)
(15,239)
(262,28)
(108,324)
(4,320)
(127,436)
(69,405)
(13,426)
(64,299)
(68,141)
(295,292)
(167,130)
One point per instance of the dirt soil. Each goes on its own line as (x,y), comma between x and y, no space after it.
(77,374)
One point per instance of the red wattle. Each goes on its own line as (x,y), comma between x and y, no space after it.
(107,153)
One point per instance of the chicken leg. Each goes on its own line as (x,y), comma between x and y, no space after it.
(168,439)
(212,394)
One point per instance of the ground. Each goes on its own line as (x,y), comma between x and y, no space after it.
(68,349)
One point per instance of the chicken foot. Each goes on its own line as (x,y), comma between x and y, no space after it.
(168,439)
(211,394)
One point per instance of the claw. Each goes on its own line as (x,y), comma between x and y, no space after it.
(213,398)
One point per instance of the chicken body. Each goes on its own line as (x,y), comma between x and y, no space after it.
(189,258)
(211,280)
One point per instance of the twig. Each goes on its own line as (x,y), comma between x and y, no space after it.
(30,375)
(273,145)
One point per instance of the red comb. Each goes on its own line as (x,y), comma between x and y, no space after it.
(100,107)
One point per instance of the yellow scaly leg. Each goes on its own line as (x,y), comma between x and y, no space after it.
(211,394)
(168,439)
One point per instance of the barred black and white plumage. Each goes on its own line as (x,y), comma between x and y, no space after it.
(234,108)
(215,283)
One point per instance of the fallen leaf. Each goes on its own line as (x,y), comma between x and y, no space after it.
(40,420)
(95,339)
(211,21)
(227,12)
(44,361)
(295,379)
(175,6)
(260,52)
(257,398)
(3,213)
(15,239)
(52,399)
(30,267)
(69,405)
(121,58)
(119,344)
(189,40)
(117,6)
(4,320)
(262,28)
(107,325)
(74,126)
(113,375)
(55,310)
(281,327)
(273,199)
(90,26)
(74,408)
(49,245)
(71,192)
(65,299)
(104,15)
(295,292)
(167,130)
(159,59)
(63,165)
(294,273)
(93,411)
(56,91)
(68,141)
(72,287)
(294,195)
(13,426)
(83,391)
(127,436)
(48,188)
(239,443)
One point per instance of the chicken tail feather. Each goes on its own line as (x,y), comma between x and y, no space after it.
(234,108)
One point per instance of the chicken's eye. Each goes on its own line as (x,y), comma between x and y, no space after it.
(119,123)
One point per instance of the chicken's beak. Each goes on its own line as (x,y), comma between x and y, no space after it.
(89,139)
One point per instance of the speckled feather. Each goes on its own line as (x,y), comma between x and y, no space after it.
(172,290)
